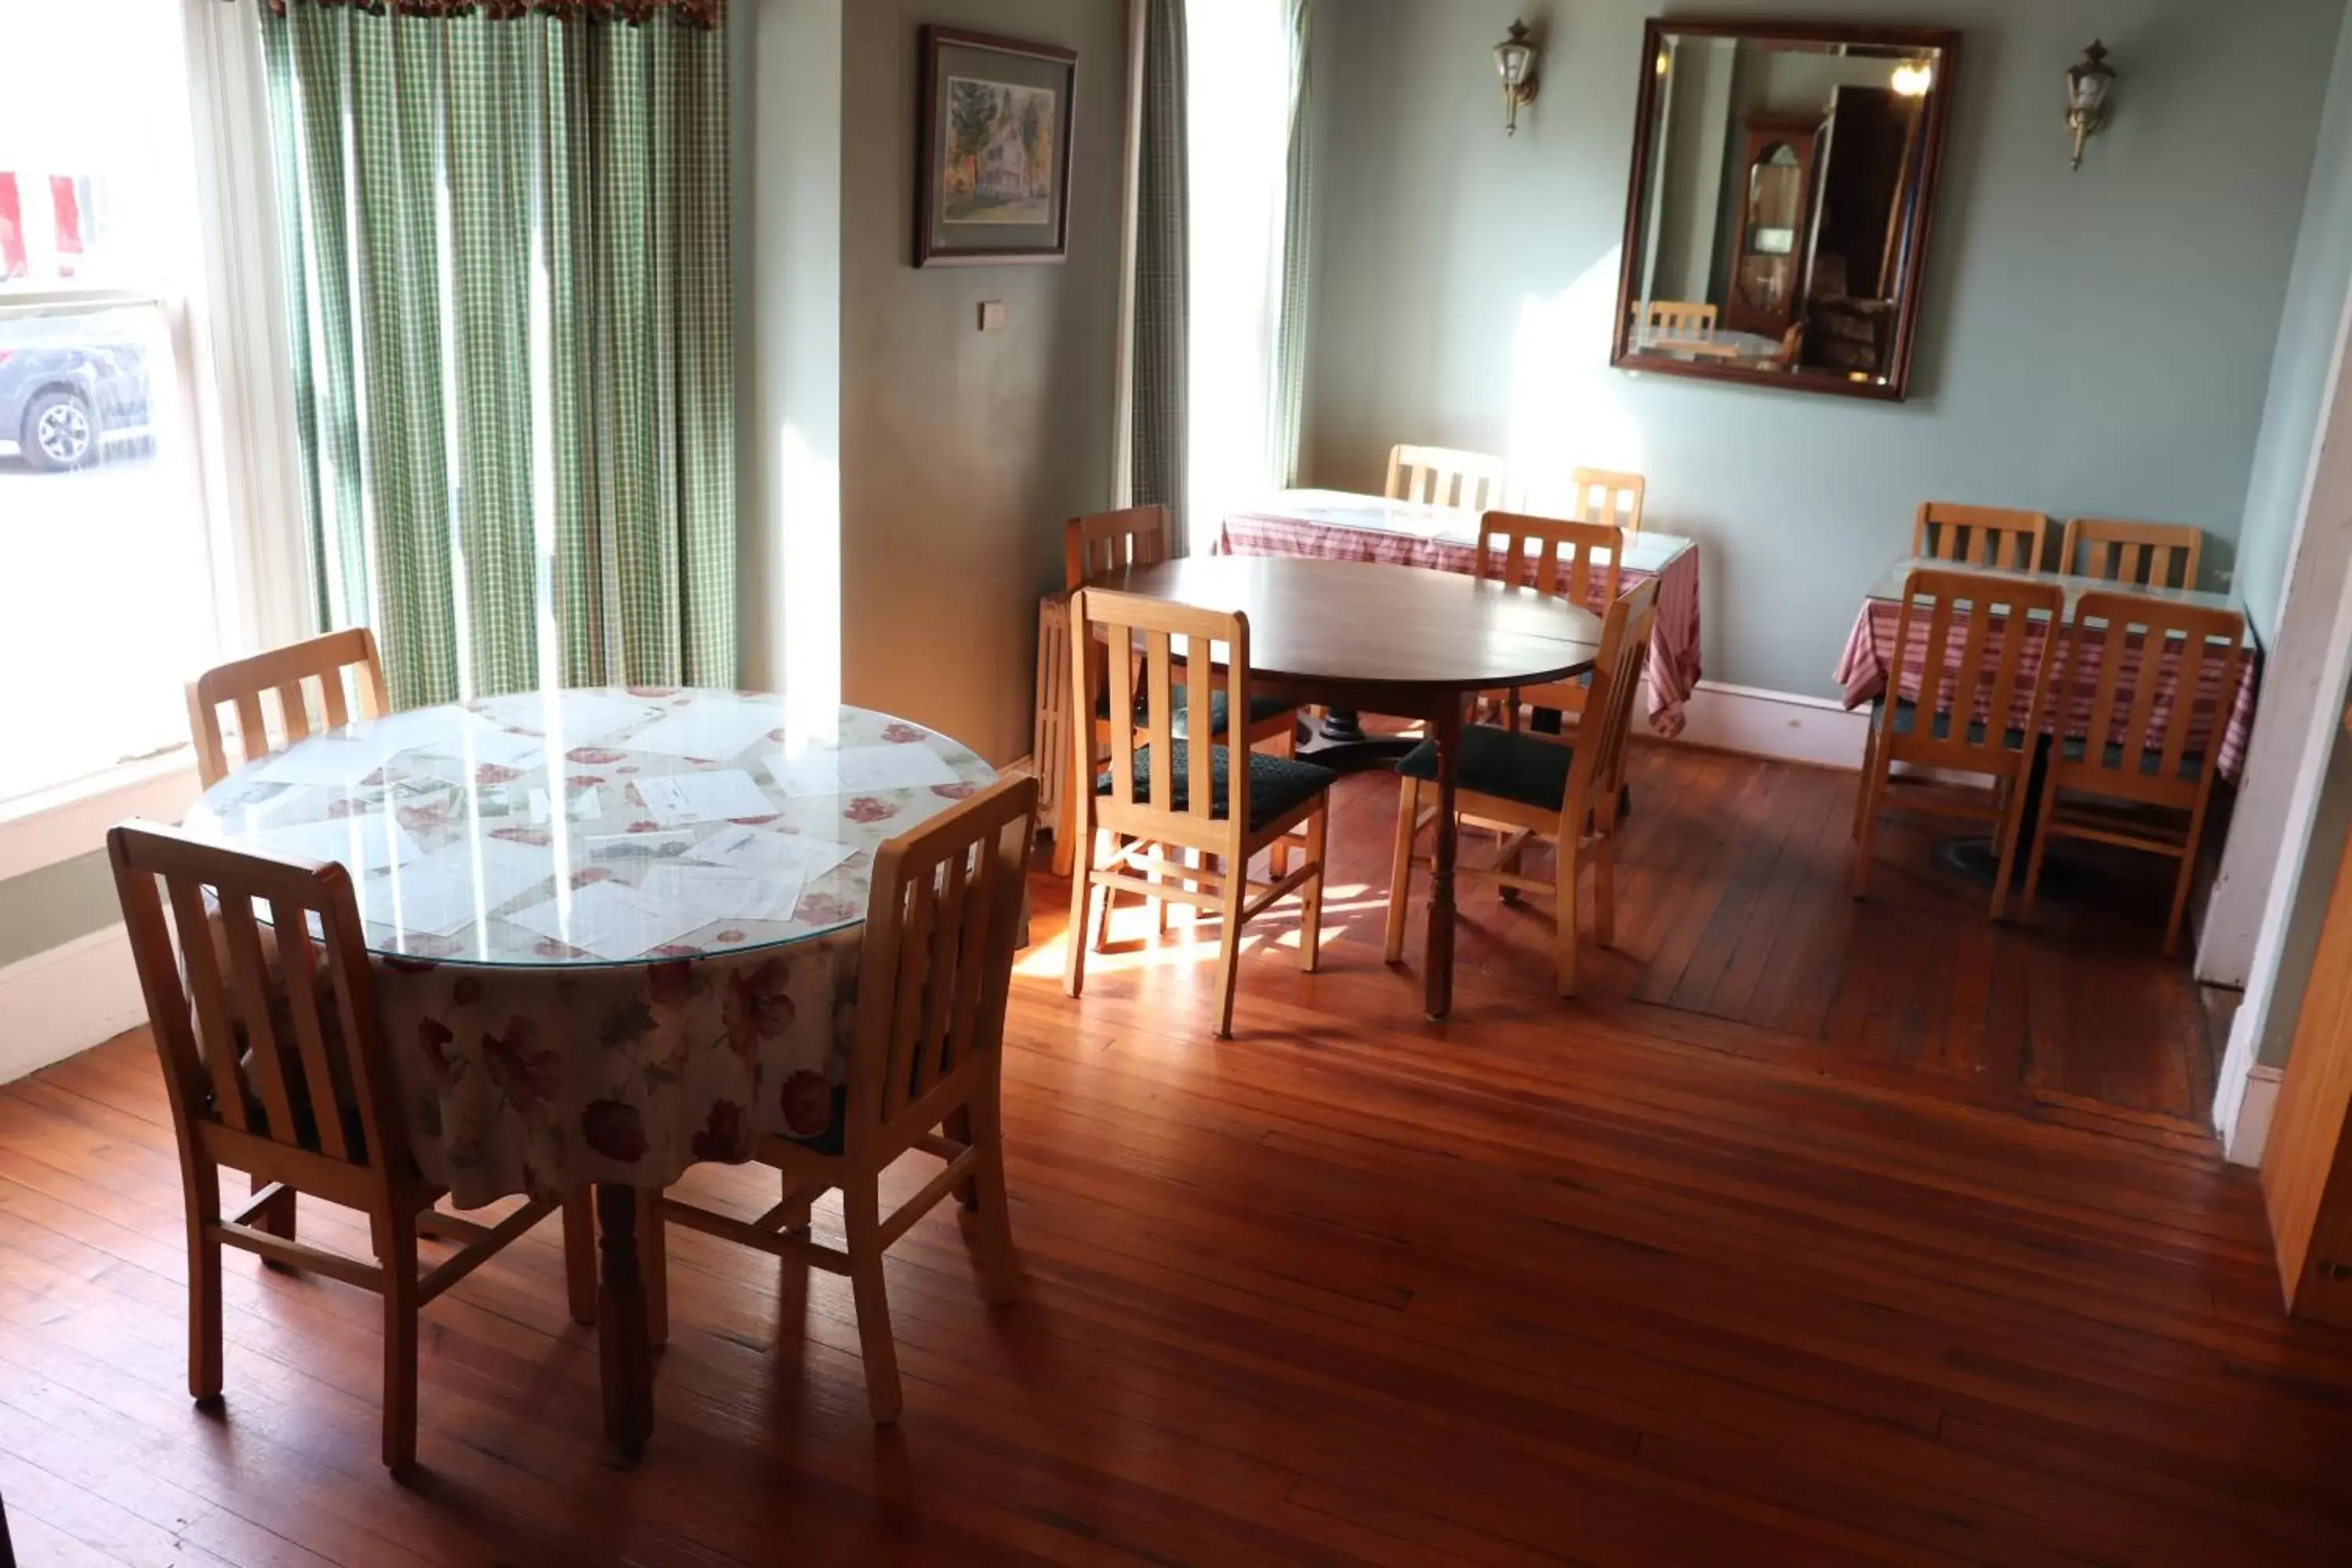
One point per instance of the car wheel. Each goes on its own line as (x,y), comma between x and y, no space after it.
(59,431)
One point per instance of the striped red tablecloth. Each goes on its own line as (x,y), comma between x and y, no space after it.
(1339,526)
(1870,654)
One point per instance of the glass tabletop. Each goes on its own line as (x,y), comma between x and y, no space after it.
(590,826)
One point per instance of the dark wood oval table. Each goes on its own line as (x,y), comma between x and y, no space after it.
(1386,639)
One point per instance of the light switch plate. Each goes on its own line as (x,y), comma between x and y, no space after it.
(991,315)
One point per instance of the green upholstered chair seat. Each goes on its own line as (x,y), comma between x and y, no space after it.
(1507,763)
(1278,784)
(1260,708)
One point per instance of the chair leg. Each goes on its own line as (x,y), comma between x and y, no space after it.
(276,1216)
(1604,888)
(862,1224)
(203,1287)
(1566,867)
(579,1254)
(1074,972)
(999,1267)
(1401,866)
(1310,911)
(958,1126)
(2040,843)
(1861,783)
(1229,941)
(1066,835)
(1106,901)
(801,1202)
(2187,877)
(1866,829)
(399,1264)
(652,1253)
(2013,814)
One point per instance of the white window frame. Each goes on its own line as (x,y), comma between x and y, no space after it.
(229,336)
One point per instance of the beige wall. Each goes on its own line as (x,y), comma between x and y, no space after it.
(963,452)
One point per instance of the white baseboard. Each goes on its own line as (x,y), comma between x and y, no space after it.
(2249,1132)
(1780,724)
(66,1000)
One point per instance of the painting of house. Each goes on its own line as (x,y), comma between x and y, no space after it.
(998,159)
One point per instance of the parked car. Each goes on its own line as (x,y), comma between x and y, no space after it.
(68,384)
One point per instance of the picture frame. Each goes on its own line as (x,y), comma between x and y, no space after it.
(994,148)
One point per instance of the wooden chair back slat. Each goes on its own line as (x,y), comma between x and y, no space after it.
(1678,318)
(213,890)
(910,993)
(1121,620)
(942,921)
(1106,542)
(263,1060)
(287,674)
(297,964)
(1603,494)
(2153,554)
(1443,476)
(1551,555)
(2187,661)
(1988,684)
(1980,535)
(1598,769)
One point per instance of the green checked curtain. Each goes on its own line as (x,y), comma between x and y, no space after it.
(1163,241)
(505,243)
(1287,407)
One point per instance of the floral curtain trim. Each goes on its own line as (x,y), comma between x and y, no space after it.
(694,13)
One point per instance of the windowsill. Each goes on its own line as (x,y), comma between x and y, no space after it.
(71,819)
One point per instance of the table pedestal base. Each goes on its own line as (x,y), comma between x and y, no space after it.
(625,1351)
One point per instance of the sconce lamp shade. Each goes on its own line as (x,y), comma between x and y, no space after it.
(2088,79)
(1515,62)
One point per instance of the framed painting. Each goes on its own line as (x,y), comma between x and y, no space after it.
(992,174)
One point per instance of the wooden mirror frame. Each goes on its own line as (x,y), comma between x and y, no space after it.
(1937,113)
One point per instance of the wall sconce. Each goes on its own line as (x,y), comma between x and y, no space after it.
(1912,79)
(2087,82)
(1515,61)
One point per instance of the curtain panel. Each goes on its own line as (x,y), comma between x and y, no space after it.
(1287,407)
(1162,243)
(695,13)
(505,240)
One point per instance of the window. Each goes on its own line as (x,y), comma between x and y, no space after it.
(1237,156)
(106,583)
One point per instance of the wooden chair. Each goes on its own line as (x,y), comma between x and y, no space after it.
(1540,787)
(2158,554)
(1983,709)
(296,1087)
(1552,557)
(1980,535)
(1604,496)
(934,970)
(1095,546)
(1441,475)
(2132,779)
(1165,794)
(1679,318)
(287,671)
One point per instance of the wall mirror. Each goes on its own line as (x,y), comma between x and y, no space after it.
(1776,225)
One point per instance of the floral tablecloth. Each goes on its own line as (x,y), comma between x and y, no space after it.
(613,933)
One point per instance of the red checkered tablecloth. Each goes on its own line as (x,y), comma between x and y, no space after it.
(1339,526)
(1870,654)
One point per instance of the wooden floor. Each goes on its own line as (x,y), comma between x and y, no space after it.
(1620,1283)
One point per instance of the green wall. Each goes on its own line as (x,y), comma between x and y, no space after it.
(2305,354)
(44,909)
(2092,342)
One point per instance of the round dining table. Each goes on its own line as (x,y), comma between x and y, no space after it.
(613,933)
(1400,640)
